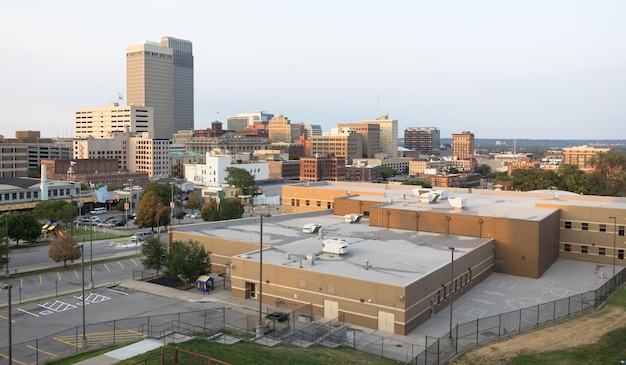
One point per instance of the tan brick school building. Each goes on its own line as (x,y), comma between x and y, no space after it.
(397,271)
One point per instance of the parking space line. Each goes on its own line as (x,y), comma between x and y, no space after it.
(107,267)
(75,273)
(27,312)
(59,275)
(13,359)
(42,351)
(134,263)
(117,291)
(6,319)
(122,266)
(40,280)
(57,306)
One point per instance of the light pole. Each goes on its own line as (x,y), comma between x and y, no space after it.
(448,225)
(261,330)
(9,287)
(614,247)
(451,283)
(82,265)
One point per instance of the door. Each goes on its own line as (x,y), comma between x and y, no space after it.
(386,322)
(331,309)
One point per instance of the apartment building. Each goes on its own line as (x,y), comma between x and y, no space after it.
(325,168)
(388,134)
(345,144)
(99,122)
(426,140)
(581,156)
(370,133)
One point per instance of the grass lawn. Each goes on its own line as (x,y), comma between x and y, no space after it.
(246,353)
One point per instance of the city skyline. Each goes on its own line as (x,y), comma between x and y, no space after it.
(500,70)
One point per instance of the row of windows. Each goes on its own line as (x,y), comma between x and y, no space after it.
(450,288)
(296,203)
(585,249)
(584,226)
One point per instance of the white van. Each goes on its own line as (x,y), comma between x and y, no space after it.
(98,211)
(140,236)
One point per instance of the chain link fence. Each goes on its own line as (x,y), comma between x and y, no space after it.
(482,331)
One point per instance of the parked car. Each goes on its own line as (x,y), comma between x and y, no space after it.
(140,236)
(193,215)
(98,211)
(95,220)
(82,220)
(111,223)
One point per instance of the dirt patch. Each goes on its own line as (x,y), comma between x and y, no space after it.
(575,332)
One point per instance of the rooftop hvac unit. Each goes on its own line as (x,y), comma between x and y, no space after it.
(457,203)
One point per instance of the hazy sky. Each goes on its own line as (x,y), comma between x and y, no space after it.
(501,69)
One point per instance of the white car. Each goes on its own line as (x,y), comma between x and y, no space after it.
(193,215)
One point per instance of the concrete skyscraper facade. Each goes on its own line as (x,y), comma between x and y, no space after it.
(149,82)
(183,82)
(426,140)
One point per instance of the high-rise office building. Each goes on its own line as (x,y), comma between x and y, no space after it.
(183,82)
(161,76)
(149,82)
(388,134)
(426,140)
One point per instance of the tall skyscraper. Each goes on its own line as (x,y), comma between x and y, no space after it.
(160,75)
(426,140)
(183,82)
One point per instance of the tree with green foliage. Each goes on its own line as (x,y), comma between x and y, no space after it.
(154,254)
(49,209)
(187,260)
(571,178)
(485,171)
(23,226)
(210,212)
(609,176)
(533,179)
(417,182)
(64,248)
(387,172)
(231,209)
(241,179)
(4,244)
(162,191)
(193,202)
(152,212)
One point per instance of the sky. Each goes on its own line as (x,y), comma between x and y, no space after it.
(500,69)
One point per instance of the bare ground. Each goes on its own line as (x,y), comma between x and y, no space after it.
(575,332)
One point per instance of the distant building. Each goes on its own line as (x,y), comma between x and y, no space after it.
(183,86)
(426,140)
(463,145)
(228,143)
(363,172)
(313,130)
(40,148)
(288,170)
(581,156)
(327,168)
(239,122)
(388,134)
(345,144)
(280,129)
(99,122)
(94,172)
(14,159)
(213,171)
(370,133)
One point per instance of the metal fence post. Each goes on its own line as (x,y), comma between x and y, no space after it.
(499,325)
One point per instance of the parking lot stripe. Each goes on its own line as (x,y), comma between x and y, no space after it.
(75,273)
(6,319)
(27,312)
(15,361)
(59,275)
(107,267)
(42,351)
(134,263)
(40,280)
(122,266)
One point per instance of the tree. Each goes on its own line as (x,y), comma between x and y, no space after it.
(188,260)
(485,171)
(610,173)
(241,179)
(194,203)
(533,179)
(23,226)
(154,254)
(162,191)
(4,244)
(210,212)
(49,209)
(571,178)
(231,209)
(152,212)
(64,248)
(387,172)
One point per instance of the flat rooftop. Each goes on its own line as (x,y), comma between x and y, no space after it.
(394,256)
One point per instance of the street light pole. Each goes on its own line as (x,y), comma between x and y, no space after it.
(82,265)
(451,287)
(9,287)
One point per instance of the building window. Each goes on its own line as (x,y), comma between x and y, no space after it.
(602,251)
(621,230)
(620,254)
(293,202)
(567,247)
(584,226)
(328,205)
(568,225)
(602,228)
(584,249)
(307,203)
(319,203)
